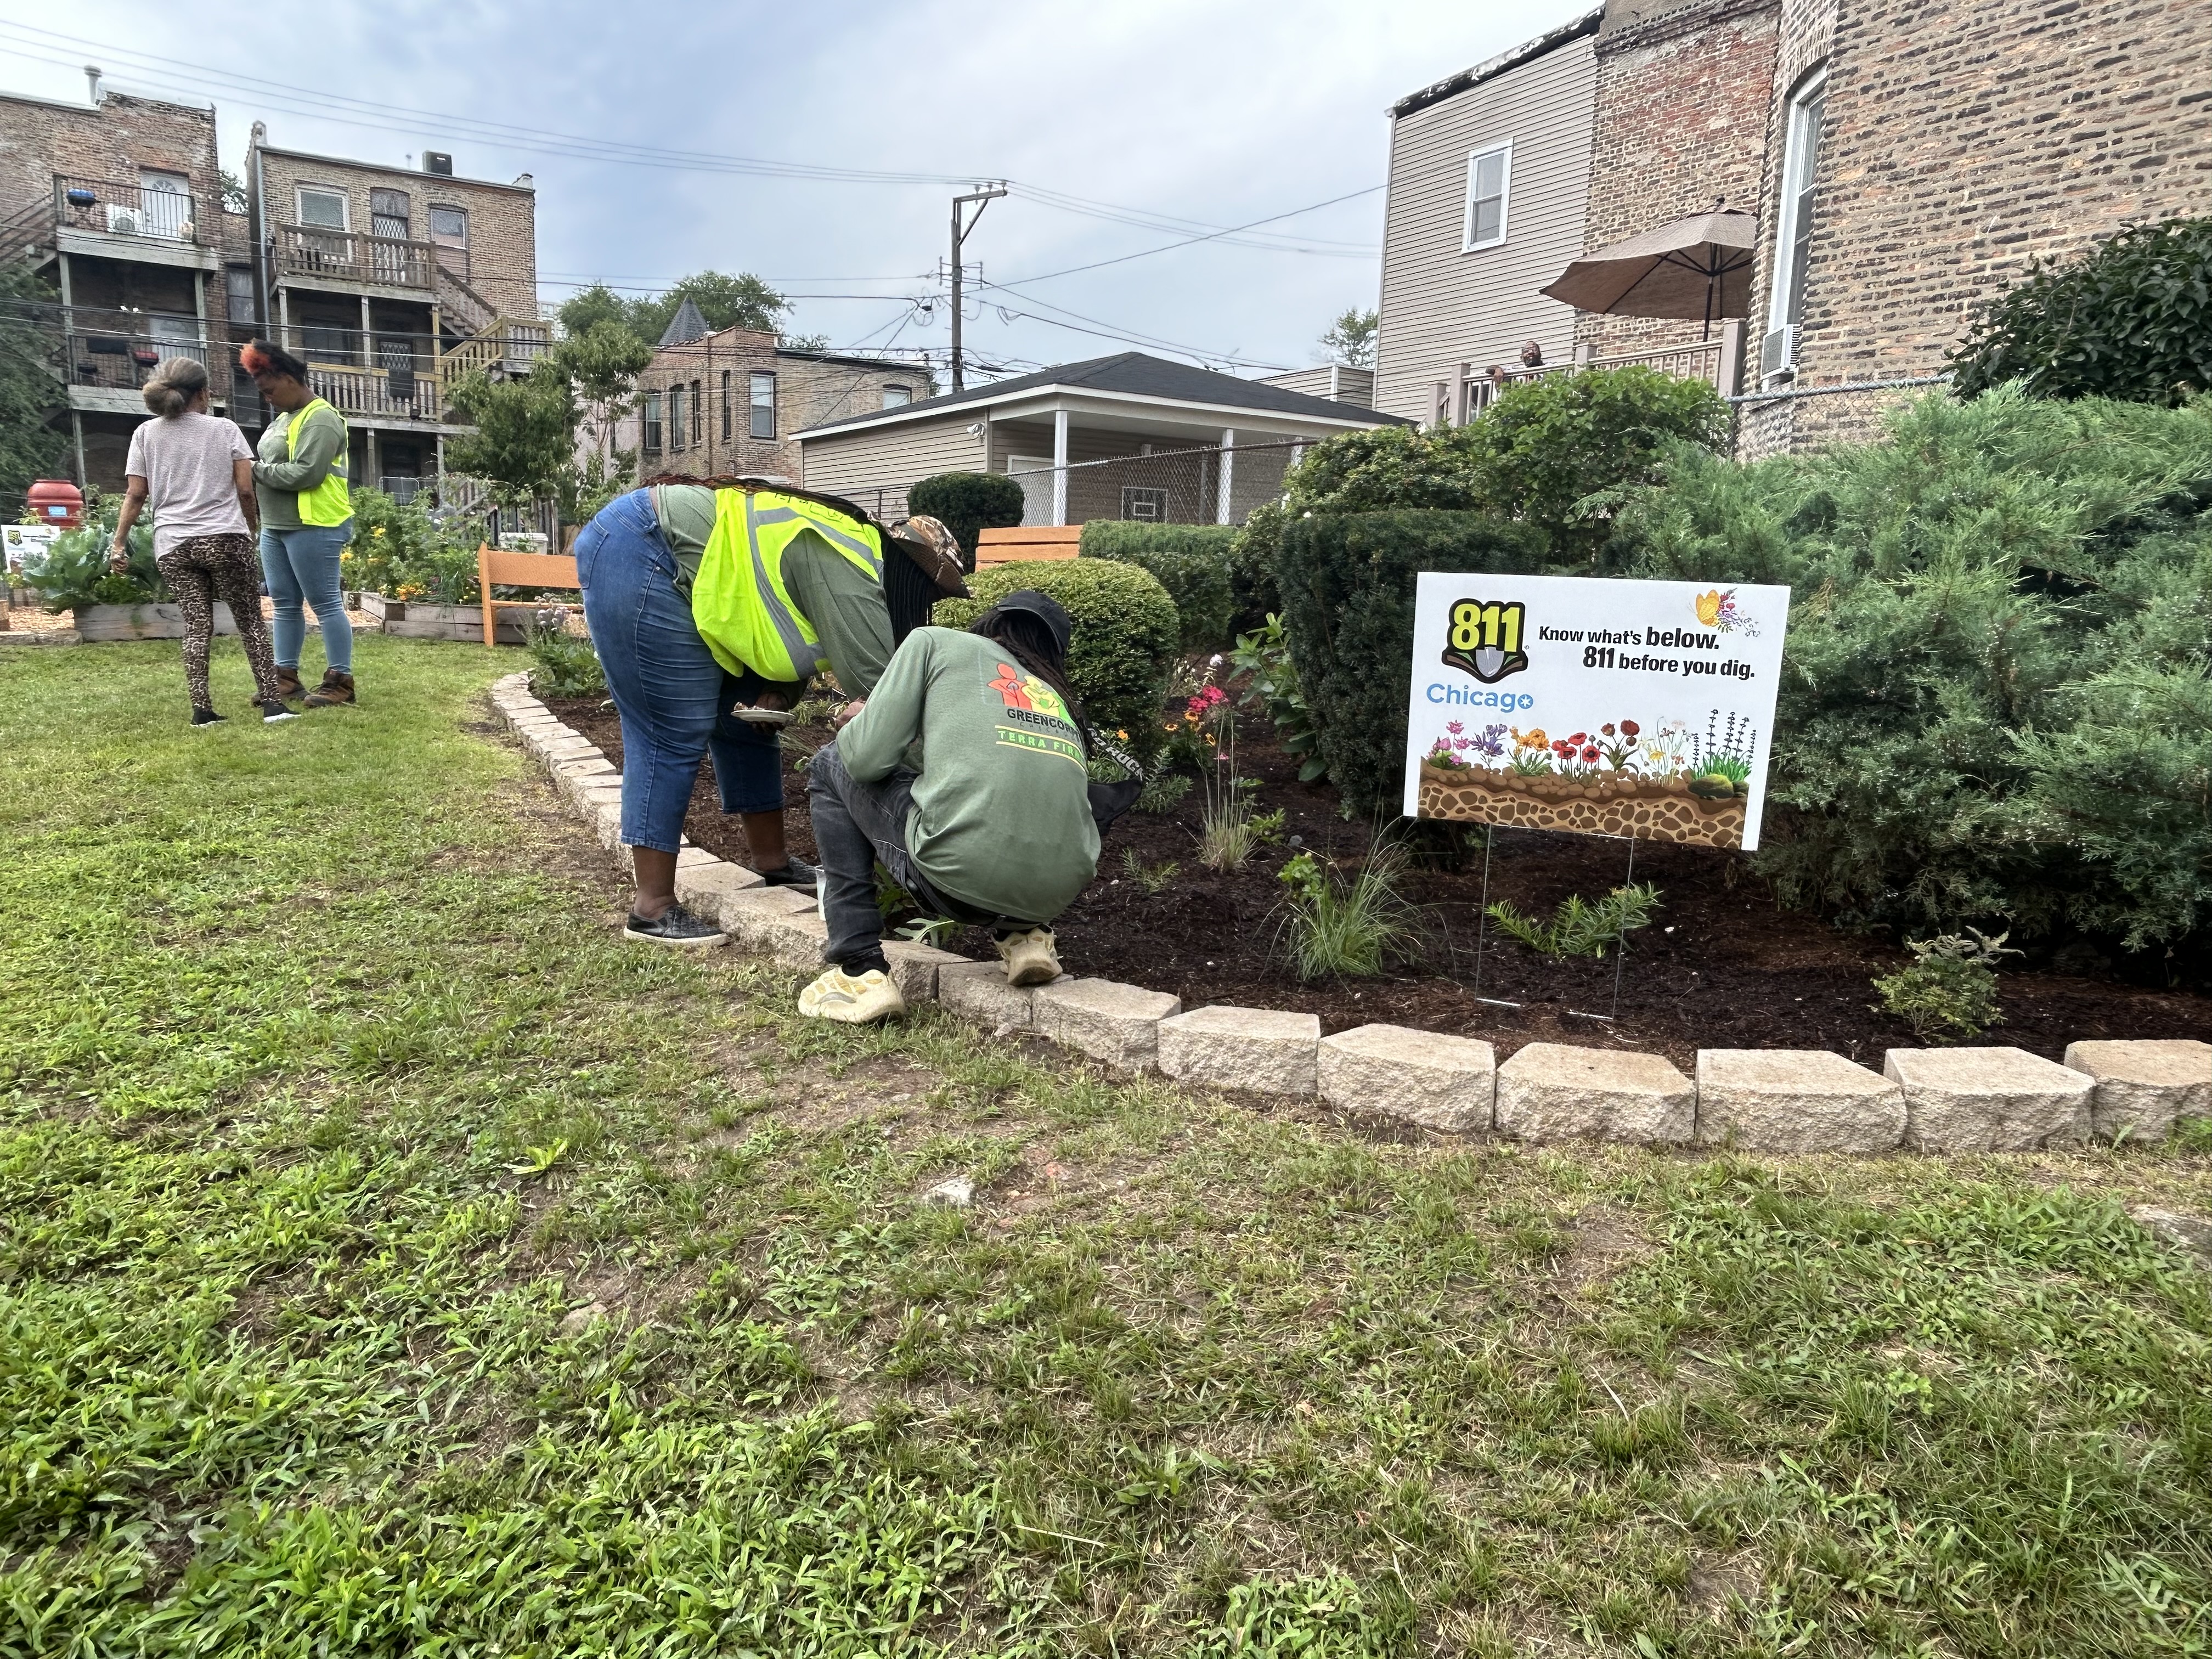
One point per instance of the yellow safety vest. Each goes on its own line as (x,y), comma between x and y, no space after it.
(738,602)
(329,501)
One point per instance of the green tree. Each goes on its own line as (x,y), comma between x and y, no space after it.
(2131,319)
(524,441)
(586,308)
(605,360)
(30,449)
(1350,338)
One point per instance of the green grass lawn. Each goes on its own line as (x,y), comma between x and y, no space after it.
(391,1261)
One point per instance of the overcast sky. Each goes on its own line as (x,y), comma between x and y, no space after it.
(1219,113)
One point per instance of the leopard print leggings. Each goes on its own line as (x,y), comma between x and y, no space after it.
(199,572)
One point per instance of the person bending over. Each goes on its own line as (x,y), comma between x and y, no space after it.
(710,606)
(996,829)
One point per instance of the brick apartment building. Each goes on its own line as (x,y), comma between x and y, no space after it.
(733,400)
(390,282)
(117,203)
(1904,159)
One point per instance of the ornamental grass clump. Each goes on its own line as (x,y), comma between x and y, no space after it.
(1329,926)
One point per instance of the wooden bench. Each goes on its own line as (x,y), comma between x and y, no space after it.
(519,570)
(1028,541)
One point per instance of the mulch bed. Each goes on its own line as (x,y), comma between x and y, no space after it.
(1722,966)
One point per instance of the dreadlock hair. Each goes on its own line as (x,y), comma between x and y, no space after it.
(261,357)
(1031,643)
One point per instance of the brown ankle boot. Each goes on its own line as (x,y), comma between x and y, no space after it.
(337,687)
(289,687)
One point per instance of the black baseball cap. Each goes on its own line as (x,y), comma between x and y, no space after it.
(1046,610)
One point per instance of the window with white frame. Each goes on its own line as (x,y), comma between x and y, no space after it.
(897,396)
(324,209)
(1489,182)
(1801,166)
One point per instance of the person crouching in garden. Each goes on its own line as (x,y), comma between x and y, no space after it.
(306,519)
(711,605)
(997,828)
(198,473)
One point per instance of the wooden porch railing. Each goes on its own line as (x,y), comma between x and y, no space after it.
(393,394)
(348,256)
(508,345)
(1717,361)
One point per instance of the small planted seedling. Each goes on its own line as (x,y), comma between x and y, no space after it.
(1948,991)
(1579,928)
(1153,877)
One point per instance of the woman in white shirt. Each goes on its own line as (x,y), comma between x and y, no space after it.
(198,473)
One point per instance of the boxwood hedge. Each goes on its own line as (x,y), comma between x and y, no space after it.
(1190,560)
(1125,630)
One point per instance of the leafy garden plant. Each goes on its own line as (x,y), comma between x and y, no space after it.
(1262,660)
(1580,927)
(568,665)
(74,571)
(1948,991)
(1331,926)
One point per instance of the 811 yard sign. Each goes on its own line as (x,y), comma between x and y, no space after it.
(1637,708)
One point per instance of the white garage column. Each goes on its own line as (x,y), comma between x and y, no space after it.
(1227,477)
(1059,466)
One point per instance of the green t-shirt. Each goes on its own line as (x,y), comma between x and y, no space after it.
(841,603)
(1002,817)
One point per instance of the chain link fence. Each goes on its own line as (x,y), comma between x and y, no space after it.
(1795,419)
(1206,484)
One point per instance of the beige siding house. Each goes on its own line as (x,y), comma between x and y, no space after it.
(1339,382)
(1488,186)
(1129,436)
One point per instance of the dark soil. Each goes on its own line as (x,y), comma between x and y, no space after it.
(1722,966)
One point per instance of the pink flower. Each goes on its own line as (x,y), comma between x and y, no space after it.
(1454,727)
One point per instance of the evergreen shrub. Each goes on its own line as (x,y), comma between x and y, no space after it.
(1995,701)
(967,503)
(2131,319)
(1125,633)
(1190,560)
(1347,592)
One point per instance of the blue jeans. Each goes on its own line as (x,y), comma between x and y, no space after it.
(303,564)
(673,697)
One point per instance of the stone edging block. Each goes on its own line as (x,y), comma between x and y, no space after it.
(705,889)
(2144,1089)
(1444,1083)
(1231,1048)
(1796,1100)
(1115,1023)
(1554,1092)
(1988,1100)
(978,991)
(914,967)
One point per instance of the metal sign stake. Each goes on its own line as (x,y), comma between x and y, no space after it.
(1482,924)
(1620,951)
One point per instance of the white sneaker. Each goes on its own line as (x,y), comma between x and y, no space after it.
(851,999)
(1030,958)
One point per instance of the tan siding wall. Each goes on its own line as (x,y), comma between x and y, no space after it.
(1442,308)
(1351,385)
(875,467)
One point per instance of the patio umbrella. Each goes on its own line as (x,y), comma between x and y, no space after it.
(1697,267)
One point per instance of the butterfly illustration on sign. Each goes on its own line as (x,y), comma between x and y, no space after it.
(1483,638)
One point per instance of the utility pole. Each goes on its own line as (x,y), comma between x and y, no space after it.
(983,195)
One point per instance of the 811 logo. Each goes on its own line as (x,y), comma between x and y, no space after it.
(1483,638)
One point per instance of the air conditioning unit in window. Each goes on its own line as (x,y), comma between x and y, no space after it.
(124,221)
(1777,352)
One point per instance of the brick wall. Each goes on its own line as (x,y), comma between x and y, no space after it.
(38,139)
(503,253)
(1963,138)
(1681,122)
(811,389)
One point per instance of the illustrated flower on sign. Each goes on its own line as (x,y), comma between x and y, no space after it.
(1718,610)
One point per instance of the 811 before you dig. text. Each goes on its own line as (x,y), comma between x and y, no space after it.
(1602,650)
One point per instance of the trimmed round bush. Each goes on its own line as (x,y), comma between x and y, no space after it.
(967,504)
(1125,630)
(1190,560)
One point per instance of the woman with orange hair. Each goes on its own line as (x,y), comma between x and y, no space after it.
(306,519)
